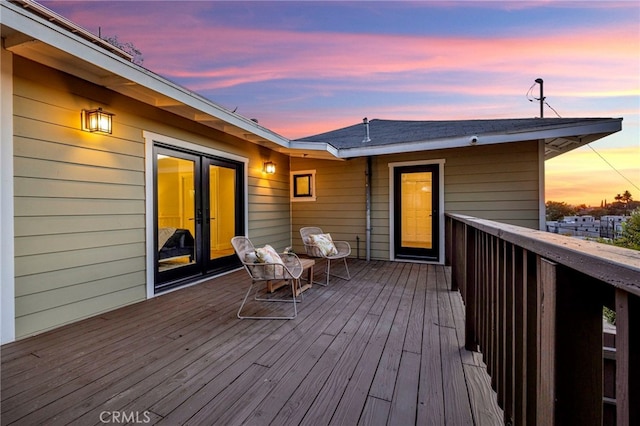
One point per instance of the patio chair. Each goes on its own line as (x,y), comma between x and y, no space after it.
(320,245)
(265,265)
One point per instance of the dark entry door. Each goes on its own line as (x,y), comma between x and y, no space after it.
(198,207)
(416,215)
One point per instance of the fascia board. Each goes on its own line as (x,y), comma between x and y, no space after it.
(315,146)
(37,28)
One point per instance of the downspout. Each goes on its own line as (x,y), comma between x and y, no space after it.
(368,208)
(367,184)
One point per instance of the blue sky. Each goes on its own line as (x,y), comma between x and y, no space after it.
(303,68)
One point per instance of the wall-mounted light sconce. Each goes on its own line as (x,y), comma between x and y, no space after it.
(269,167)
(97,120)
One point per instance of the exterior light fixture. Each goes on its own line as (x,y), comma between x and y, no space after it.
(269,167)
(97,120)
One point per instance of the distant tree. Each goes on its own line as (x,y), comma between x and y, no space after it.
(128,47)
(623,204)
(558,209)
(630,232)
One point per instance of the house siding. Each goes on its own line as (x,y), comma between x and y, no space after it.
(498,182)
(80,198)
(269,212)
(340,201)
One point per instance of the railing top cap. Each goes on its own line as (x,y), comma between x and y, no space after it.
(614,265)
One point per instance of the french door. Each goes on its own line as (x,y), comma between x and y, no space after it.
(198,209)
(416,212)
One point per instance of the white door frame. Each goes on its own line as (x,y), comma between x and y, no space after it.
(150,195)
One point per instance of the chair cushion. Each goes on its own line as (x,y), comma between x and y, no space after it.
(267,254)
(324,243)
(250,259)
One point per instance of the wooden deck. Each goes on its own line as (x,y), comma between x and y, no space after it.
(386,347)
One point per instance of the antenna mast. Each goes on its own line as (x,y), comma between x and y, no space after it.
(541,83)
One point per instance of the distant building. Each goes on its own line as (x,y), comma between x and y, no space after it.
(576,226)
(609,226)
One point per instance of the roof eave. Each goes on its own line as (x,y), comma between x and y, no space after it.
(566,137)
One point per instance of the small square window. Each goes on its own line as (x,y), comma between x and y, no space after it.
(303,185)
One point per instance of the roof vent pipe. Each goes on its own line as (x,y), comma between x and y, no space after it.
(366,130)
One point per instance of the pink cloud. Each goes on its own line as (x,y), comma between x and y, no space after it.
(188,47)
(386,59)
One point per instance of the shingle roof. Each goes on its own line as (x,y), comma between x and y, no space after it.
(389,132)
(559,135)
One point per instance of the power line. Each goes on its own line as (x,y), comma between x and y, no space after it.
(532,98)
(552,109)
(600,155)
(614,169)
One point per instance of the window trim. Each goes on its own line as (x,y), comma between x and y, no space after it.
(312,185)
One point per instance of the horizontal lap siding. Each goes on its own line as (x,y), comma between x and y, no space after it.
(380,235)
(80,238)
(339,208)
(269,214)
(498,182)
(79,210)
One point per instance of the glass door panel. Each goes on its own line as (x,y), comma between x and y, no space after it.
(176,204)
(222,211)
(416,210)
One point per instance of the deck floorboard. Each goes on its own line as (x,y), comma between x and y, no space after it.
(386,347)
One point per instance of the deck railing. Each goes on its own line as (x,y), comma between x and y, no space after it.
(534,308)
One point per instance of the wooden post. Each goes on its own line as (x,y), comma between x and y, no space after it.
(458,257)
(508,303)
(471,320)
(546,338)
(627,358)
(450,239)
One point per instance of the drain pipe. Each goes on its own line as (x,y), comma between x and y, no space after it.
(368,207)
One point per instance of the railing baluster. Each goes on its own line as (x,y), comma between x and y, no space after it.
(508,320)
(627,358)
(579,365)
(533,306)
(546,338)
(486,267)
(497,323)
(520,336)
(531,344)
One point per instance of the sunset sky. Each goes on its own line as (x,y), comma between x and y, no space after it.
(303,68)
